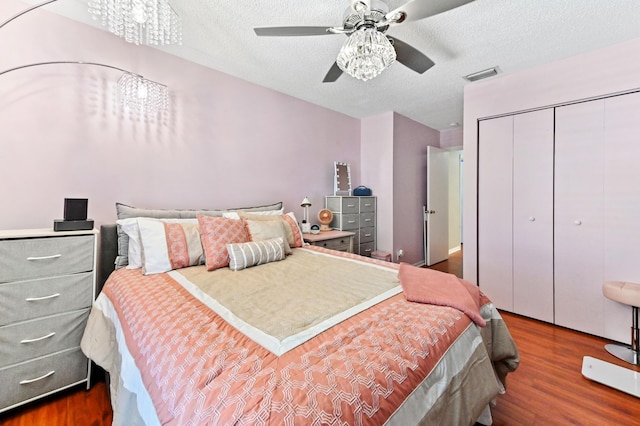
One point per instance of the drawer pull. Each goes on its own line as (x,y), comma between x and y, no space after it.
(351,205)
(53,256)
(367,205)
(351,221)
(37,339)
(367,220)
(26,382)
(367,235)
(36,299)
(368,250)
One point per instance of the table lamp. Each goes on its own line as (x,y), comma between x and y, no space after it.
(306,226)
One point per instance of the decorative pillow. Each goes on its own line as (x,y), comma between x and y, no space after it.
(236,214)
(127,212)
(294,234)
(168,245)
(259,230)
(215,234)
(130,227)
(244,255)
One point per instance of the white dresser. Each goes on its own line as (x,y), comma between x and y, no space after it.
(355,214)
(47,286)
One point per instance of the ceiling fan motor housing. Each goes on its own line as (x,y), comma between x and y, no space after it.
(376,13)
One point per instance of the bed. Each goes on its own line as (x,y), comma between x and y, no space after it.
(313,337)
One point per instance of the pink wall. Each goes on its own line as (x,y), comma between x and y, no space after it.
(394,150)
(605,71)
(377,173)
(223,143)
(451,138)
(410,141)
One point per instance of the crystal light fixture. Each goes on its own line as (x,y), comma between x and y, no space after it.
(366,53)
(142,95)
(152,22)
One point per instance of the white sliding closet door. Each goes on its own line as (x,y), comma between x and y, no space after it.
(621,206)
(533,214)
(495,186)
(578,215)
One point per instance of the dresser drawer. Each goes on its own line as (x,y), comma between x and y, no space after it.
(367,234)
(22,382)
(343,204)
(367,204)
(367,219)
(32,339)
(366,249)
(23,300)
(340,244)
(346,222)
(23,259)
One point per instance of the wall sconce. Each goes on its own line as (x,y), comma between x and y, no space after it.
(306,226)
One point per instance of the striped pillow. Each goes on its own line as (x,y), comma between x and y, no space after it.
(168,245)
(244,255)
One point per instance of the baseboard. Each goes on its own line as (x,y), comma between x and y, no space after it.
(455,249)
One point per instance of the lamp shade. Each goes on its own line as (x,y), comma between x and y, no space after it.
(305,203)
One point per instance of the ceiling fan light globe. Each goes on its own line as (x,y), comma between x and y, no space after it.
(366,53)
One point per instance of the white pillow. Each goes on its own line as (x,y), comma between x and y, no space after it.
(235,215)
(162,252)
(130,227)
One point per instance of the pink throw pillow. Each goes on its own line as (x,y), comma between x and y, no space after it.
(215,234)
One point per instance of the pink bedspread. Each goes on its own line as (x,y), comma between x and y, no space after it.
(198,369)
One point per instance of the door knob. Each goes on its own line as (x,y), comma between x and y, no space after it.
(577,222)
(532,219)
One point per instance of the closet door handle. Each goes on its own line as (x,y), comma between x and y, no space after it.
(577,222)
(27,381)
(532,219)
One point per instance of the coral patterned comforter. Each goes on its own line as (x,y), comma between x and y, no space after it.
(319,338)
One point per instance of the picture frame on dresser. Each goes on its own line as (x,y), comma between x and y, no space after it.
(47,287)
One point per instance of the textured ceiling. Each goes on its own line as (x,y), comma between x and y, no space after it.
(510,34)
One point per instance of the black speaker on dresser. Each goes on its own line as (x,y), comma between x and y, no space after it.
(75,216)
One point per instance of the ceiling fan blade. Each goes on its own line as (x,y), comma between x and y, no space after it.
(414,10)
(410,56)
(333,74)
(292,31)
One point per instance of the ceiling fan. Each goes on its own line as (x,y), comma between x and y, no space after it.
(371,19)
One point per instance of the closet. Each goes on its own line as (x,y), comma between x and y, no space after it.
(515,213)
(558,203)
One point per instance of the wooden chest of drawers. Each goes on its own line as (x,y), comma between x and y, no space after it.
(47,286)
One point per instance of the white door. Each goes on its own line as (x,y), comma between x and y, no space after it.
(495,204)
(533,214)
(436,213)
(621,206)
(578,217)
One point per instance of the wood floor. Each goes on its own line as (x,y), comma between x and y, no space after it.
(547,389)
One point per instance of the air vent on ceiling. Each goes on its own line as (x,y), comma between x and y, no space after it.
(490,72)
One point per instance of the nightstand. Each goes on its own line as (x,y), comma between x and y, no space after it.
(47,286)
(335,240)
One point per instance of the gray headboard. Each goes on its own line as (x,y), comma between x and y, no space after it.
(107,252)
